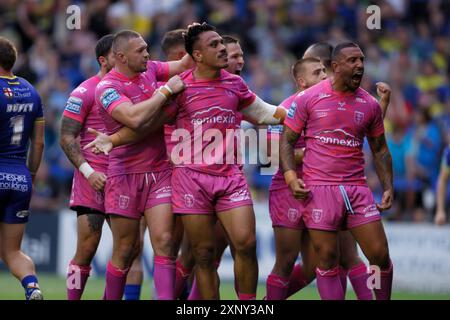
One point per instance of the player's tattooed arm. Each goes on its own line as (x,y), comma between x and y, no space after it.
(288,163)
(383,167)
(70,130)
(287,142)
(36,147)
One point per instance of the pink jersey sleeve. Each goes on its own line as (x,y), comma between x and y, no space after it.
(246,96)
(160,69)
(376,127)
(109,97)
(79,104)
(297,114)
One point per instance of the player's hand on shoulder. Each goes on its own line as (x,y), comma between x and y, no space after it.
(102,142)
(299,190)
(386,200)
(97,180)
(176,84)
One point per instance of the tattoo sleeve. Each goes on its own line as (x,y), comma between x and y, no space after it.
(287,143)
(382,160)
(70,130)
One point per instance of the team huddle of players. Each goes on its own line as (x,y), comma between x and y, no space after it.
(131,132)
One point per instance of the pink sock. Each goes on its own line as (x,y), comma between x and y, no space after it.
(358,278)
(194,294)
(329,284)
(164,277)
(384,293)
(247,296)
(115,282)
(343,279)
(277,287)
(297,281)
(76,280)
(181,276)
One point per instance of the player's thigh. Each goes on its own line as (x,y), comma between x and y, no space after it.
(287,242)
(11,236)
(199,229)
(371,237)
(125,230)
(89,223)
(221,239)
(325,242)
(310,258)
(239,224)
(178,232)
(348,250)
(160,220)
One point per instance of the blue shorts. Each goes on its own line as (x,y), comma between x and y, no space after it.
(15,193)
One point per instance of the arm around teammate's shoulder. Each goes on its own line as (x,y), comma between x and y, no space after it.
(134,116)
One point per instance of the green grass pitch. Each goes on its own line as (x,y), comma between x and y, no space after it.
(53,288)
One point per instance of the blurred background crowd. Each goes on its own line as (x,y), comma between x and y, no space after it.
(411,52)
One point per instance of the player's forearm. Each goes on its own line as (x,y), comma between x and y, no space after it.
(143,112)
(383,168)
(299,154)
(70,130)
(441,192)
(384,104)
(260,112)
(177,67)
(35,156)
(72,149)
(287,156)
(125,136)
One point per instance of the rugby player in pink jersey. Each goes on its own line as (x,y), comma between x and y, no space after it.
(138,173)
(335,116)
(87,197)
(235,65)
(349,260)
(172,46)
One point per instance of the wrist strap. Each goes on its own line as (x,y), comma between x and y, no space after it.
(163,91)
(290,176)
(168,88)
(86,169)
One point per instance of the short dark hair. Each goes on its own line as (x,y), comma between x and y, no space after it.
(172,39)
(122,36)
(338,48)
(229,39)
(193,33)
(322,51)
(103,46)
(298,65)
(8,54)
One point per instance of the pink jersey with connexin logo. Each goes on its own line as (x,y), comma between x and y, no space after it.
(335,125)
(148,154)
(207,112)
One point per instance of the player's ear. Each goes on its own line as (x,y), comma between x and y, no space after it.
(334,66)
(102,60)
(198,57)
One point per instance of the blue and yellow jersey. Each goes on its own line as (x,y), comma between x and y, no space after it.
(20,108)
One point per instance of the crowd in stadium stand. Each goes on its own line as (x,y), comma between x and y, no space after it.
(411,52)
